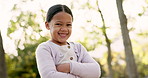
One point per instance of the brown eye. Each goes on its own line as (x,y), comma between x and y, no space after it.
(58,24)
(69,24)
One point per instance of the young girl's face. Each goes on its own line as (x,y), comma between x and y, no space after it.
(60,27)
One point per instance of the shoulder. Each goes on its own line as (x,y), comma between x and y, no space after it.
(78,46)
(44,46)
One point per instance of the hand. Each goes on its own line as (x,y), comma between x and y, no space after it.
(65,68)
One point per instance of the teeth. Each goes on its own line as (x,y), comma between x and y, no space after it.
(63,35)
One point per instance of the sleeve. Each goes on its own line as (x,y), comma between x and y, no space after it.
(46,65)
(88,68)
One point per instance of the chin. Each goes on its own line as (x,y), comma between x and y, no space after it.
(62,41)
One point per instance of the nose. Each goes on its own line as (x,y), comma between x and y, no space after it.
(63,28)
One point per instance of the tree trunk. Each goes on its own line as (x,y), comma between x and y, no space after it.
(130,61)
(3,73)
(109,58)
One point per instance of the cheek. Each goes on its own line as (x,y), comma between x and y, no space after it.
(54,31)
(70,30)
(51,31)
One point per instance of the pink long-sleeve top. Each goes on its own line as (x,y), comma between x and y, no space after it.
(48,56)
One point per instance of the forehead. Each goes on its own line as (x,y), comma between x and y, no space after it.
(62,16)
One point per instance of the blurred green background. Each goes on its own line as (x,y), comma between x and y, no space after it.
(22,28)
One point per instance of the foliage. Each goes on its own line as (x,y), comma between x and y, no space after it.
(24,24)
(118,62)
(141,55)
(24,65)
(93,40)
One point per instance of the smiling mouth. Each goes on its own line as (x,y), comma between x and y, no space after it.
(63,35)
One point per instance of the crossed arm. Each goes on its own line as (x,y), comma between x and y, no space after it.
(88,68)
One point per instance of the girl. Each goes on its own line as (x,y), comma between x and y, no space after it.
(58,58)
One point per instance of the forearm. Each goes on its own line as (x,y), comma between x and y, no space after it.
(86,70)
(46,65)
(53,74)
(48,71)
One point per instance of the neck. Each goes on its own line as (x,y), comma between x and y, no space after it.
(59,43)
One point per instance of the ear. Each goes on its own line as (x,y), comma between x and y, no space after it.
(47,25)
